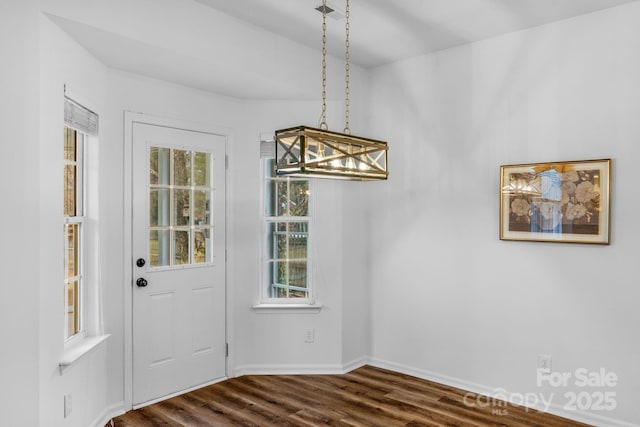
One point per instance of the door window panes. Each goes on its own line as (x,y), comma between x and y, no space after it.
(180,191)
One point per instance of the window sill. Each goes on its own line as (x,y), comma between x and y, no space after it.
(77,351)
(287,308)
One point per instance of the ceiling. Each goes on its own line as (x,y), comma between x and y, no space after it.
(385,31)
(270,49)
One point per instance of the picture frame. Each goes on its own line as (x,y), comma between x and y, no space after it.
(556,202)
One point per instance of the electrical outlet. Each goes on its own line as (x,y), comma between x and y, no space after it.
(544,363)
(67,405)
(309,335)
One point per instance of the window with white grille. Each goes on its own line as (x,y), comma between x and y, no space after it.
(287,227)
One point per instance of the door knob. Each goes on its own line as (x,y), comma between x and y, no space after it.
(140,262)
(141,283)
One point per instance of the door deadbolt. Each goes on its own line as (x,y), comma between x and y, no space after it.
(140,262)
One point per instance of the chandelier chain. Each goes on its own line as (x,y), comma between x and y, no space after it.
(347,130)
(323,116)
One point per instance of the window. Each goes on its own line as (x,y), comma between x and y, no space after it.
(287,235)
(180,190)
(79,244)
(73,229)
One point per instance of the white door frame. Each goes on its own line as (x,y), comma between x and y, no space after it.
(130,118)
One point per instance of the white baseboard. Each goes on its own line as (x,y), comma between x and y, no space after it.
(109,412)
(581,416)
(354,364)
(287,370)
(431,376)
(300,369)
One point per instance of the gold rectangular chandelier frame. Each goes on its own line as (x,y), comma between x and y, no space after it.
(307,151)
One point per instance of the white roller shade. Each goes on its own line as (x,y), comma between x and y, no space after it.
(267,149)
(78,117)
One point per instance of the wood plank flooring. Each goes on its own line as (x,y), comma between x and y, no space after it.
(366,397)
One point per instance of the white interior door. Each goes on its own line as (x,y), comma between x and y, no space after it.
(178,247)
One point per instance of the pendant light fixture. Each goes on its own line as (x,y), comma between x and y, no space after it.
(308,151)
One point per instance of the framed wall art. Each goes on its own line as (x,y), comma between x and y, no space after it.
(556,202)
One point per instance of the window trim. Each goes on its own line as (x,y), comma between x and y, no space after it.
(91,335)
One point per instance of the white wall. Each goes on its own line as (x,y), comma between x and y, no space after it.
(275,341)
(410,271)
(19,174)
(356,289)
(278,347)
(450,300)
(129,92)
(356,243)
(64,62)
(258,342)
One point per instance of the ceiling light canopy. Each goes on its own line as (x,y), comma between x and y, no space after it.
(319,152)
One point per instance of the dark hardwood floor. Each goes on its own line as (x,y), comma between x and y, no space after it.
(367,396)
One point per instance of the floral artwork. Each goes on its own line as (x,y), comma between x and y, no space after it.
(567,201)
